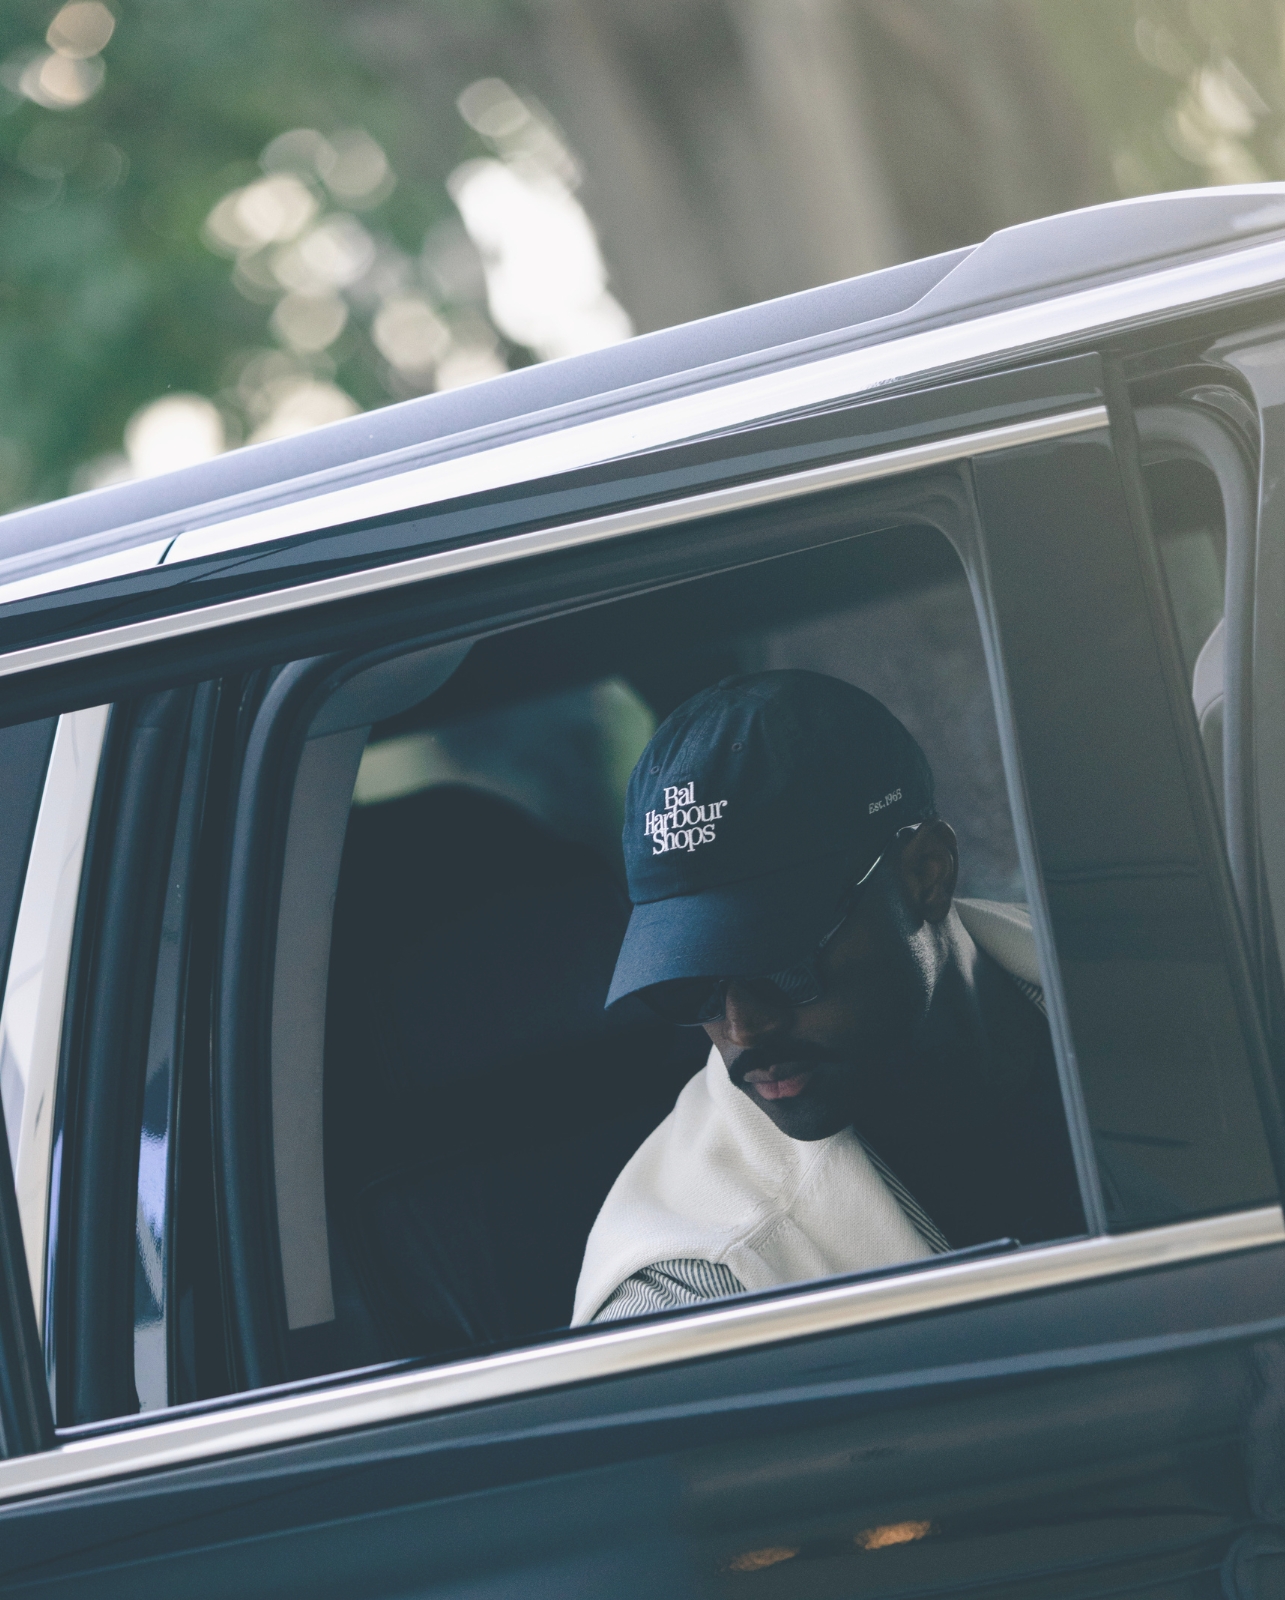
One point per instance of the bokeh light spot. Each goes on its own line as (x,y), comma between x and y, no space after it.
(546,280)
(409,334)
(176,431)
(337,252)
(81,28)
(359,174)
(299,404)
(309,322)
(271,211)
(465,364)
(59,82)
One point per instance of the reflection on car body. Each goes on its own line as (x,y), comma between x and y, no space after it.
(380,1220)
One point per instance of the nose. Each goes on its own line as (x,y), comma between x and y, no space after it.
(751,1016)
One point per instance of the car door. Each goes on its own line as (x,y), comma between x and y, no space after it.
(1088,1416)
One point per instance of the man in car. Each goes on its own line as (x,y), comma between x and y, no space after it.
(880,1088)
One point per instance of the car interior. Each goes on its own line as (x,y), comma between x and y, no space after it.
(478,1099)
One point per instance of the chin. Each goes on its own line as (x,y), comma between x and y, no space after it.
(804,1119)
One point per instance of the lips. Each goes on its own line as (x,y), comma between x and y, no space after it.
(772,1088)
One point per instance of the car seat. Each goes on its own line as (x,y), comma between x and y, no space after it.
(480,1101)
(1002,928)
(1208,693)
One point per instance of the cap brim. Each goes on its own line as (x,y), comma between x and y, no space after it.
(738,930)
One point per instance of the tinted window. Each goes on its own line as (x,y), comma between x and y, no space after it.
(1162,1020)
(479,1102)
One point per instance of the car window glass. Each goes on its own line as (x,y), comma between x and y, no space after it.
(479,1102)
(1191,539)
(1187,519)
(1161,1019)
(1201,497)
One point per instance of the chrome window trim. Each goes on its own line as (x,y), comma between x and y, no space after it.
(739,497)
(1018,332)
(468,463)
(614,1351)
(119,563)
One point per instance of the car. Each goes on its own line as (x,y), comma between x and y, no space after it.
(310,891)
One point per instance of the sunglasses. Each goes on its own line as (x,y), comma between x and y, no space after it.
(692,1002)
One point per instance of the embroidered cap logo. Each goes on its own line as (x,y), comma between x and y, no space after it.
(682,825)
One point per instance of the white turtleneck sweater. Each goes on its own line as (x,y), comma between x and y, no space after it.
(719,1193)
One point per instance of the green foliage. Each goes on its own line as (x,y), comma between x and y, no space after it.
(108,295)
(1180,93)
(111,295)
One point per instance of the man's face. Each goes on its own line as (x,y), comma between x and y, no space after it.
(808,1067)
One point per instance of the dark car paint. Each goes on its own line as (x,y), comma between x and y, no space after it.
(1092,1412)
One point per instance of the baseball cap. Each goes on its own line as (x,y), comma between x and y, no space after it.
(753,809)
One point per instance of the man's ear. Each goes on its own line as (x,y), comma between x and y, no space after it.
(928,868)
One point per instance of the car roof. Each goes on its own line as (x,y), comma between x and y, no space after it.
(1029,262)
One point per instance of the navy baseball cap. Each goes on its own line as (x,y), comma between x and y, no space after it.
(755,806)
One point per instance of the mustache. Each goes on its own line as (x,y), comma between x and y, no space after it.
(798,1054)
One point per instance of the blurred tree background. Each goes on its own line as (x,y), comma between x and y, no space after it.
(222,223)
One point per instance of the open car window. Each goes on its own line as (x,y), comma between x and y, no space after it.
(480,1101)
(352,1095)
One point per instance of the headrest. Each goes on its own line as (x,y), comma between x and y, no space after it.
(485,940)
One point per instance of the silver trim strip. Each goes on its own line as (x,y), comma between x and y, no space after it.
(120,563)
(1024,332)
(611,1352)
(865,469)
